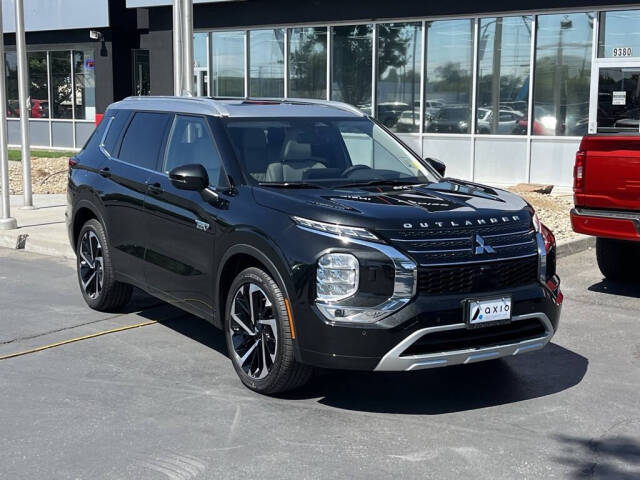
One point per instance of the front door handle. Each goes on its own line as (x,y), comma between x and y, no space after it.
(155,188)
(105,172)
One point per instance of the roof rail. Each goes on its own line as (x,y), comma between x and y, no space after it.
(329,103)
(205,102)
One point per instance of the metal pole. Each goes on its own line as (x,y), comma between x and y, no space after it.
(6,222)
(25,104)
(187,47)
(177,47)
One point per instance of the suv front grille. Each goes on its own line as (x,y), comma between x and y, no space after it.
(477,278)
(447,246)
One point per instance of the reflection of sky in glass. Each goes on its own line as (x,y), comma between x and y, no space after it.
(448,41)
(266,53)
(515,46)
(576,36)
(619,29)
(200,49)
(228,54)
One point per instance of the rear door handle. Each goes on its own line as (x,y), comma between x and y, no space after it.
(155,188)
(105,172)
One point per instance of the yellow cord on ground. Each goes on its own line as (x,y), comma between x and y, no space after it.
(77,339)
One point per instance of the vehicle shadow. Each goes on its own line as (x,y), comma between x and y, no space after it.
(431,392)
(623,289)
(450,389)
(616,457)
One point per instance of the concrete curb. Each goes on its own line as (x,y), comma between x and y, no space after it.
(16,240)
(575,245)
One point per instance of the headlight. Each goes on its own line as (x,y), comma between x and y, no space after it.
(337,276)
(340,230)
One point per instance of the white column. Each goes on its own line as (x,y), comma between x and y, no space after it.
(25,104)
(6,221)
(187,47)
(177,47)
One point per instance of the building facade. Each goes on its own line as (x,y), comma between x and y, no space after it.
(501,93)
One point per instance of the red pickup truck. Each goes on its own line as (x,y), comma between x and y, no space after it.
(606,185)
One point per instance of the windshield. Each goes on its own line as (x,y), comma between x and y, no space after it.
(323,152)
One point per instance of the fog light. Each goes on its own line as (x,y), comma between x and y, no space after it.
(337,276)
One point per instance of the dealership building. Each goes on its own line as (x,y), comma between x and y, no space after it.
(501,92)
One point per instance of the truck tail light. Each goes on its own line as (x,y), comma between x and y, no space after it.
(579,171)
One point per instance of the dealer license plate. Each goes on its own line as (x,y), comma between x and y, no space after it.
(493,310)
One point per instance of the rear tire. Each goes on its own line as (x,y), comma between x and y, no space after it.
(258,335)
(96,275)
(618,260)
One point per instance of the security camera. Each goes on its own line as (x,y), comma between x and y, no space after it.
(95,35)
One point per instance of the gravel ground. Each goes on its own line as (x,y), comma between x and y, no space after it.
(553,211)
(49,176)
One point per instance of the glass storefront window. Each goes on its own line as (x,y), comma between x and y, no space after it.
(504,54)
(448,85)
(266,63)
(619,35)
(200,49)
(308,62)
(141,73)
(11,73)
(351,70)
(562,74)
(61,85)
(39,84)
(228,64)
(399,67)
(85,86)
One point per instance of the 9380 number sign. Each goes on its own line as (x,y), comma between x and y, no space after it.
(623,52)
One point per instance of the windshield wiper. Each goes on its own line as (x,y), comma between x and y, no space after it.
(289,185)
(372,183)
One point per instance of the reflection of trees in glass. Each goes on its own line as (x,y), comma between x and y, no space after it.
(11,74)
(503,73)
(448,73)
(61,90)
(308,62)
(352,52)
(399,66)
(563,73)
(38,84)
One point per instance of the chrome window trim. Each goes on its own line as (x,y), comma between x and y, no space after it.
(404,287)
(394,361)
(103,149)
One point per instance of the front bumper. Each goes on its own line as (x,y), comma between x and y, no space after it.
(606,223)
(386,345)
(395,360)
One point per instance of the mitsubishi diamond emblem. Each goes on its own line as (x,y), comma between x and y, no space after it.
(481,247)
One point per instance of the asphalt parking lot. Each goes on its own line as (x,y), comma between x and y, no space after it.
(163,401)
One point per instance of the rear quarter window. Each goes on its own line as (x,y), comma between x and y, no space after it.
(120,118)
(143,139)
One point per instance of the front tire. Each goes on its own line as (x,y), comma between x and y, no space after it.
(96,275)
(618,260)
(259,336)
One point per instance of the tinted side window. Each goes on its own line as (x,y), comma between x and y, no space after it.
(120,118)
(143,139)
(191,142)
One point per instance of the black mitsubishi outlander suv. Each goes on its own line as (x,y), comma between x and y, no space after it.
(310,234)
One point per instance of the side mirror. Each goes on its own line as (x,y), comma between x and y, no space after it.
(189,177)
(437,165)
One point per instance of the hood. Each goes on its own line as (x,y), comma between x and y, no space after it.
(443,204)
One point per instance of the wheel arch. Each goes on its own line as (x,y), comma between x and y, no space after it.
(237,258)
(83,212)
